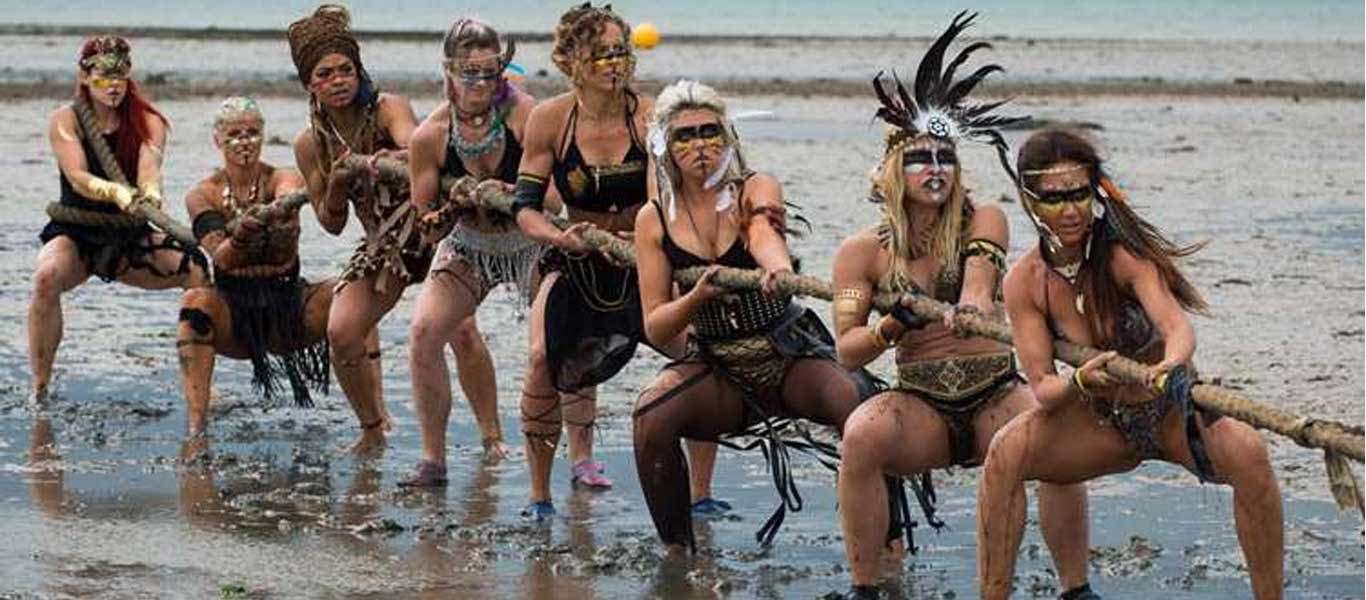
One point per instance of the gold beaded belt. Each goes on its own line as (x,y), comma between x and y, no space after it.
(956,378)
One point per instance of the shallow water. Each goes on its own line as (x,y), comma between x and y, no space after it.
(278,510)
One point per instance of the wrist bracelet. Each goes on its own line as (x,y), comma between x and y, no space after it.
(1076,380)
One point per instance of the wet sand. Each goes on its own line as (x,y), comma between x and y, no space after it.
(270,507)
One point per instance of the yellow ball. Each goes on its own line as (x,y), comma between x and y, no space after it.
(645,36)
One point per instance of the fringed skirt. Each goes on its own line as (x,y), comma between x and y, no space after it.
(268,313)
(494,259)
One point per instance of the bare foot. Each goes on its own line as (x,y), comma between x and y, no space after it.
(369,444)
(195,449)
(38,397)
(495,450)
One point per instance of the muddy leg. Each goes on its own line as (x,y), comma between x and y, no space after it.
(664,415)
(701,465)
(440,309)
(350,329)
(202,316)
(875,443)
(1240,458)
(59,270)
(540,403)
(474,367)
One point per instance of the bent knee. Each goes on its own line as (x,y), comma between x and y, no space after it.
(868,440)
(466,337)
(1007,447)
(425,332)
(1238,446)
(346,336)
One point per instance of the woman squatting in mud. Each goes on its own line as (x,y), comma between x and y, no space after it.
(259,308)
(952,393)
(753,357)
(1102,276)
(94,231)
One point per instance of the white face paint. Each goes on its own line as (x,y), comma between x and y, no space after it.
(240,140)
(929,167)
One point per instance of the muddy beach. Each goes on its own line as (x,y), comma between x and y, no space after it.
(100,495)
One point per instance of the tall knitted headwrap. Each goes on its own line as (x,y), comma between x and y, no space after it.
(326,31)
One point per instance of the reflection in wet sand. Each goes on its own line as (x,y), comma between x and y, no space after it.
(44,470)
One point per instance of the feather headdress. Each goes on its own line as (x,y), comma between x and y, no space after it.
(939,106)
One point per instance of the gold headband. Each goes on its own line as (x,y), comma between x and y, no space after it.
(1053,170)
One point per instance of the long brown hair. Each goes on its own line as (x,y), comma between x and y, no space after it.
(132,112)
(1102,297)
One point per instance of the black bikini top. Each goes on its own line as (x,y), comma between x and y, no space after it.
(736,256)
(507,166)
(607,188)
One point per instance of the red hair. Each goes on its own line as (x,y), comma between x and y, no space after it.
(133,112)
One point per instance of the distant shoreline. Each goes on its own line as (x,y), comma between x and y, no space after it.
(548,86)
(435,35)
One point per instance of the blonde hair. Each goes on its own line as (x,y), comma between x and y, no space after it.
(684,95)
(889,188)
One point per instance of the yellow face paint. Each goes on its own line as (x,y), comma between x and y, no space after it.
(101,82)
(1053,204)
(709,134)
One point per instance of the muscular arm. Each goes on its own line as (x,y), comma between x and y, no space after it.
(1034,342)
(980,275)
(1158,302)
(538,154)
(424,163)
(150,153)
(332,209)
(64,135)
(666,317)
(217,241)
(398,119)
(853,270)
(764,198)
(517,122)
(198,201)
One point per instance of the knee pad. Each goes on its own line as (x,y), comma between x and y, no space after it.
(199,320)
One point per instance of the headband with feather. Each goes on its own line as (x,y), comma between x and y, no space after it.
(940,106)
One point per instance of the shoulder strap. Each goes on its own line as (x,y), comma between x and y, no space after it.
(86,118)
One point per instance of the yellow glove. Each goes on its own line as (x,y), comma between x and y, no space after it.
(103,189)
(150,192)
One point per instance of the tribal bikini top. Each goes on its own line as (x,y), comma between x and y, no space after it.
(740,314)
(507,166)
(606,188)
(1135,334)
